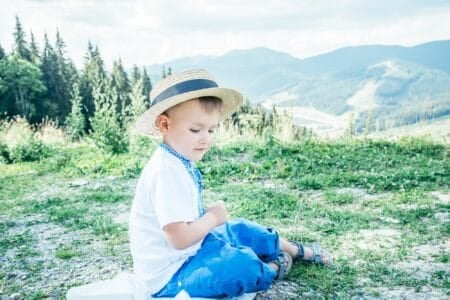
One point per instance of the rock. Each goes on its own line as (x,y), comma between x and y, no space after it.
(15,296)
(79,182)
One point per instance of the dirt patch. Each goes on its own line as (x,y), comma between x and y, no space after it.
(422,292)
(430,250)
(378,241)
(442,197)
(361,195)
(422,264)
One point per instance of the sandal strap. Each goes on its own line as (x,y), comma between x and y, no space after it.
(301,250)
(318,253)
(283,265)
(317,257)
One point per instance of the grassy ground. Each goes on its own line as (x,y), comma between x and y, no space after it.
(381,207)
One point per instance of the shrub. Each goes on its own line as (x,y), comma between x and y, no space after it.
(50,134)
(4,153)
(76,121)
(31,150)
(15,131)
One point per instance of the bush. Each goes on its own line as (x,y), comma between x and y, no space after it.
(31,150)
(4,153)
(107,132)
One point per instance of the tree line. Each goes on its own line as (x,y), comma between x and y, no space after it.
(44,84)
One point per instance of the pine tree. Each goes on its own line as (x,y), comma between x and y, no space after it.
(146,85)
(138,101)
(121,83)
(107,132)
(2,52)
(49,70)
(135,75)
(67,75)
(20,42)
(164,75)
(92,72)
(76,121)
(34,51)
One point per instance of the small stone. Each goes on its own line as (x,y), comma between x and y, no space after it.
(15,296)
(79,182)
(426,289)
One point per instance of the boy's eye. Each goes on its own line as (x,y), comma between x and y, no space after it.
(195,130)
(211,131)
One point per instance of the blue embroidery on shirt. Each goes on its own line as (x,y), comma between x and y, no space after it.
(192,170)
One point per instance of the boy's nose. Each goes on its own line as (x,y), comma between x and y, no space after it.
(205,138)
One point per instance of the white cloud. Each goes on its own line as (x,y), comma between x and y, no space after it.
(154,31)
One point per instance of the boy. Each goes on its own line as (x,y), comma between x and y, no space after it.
(176,244)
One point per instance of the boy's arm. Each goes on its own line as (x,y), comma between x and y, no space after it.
(182,235)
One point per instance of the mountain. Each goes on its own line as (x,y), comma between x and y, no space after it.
(434,55)
(376,86)
(254,71)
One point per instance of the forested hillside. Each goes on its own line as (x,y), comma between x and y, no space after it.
(40,81)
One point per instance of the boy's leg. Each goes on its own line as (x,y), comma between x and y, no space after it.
(264,241)
(217,270)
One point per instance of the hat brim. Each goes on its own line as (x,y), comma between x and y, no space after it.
(231,100)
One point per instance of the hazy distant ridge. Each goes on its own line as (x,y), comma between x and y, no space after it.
(389,85)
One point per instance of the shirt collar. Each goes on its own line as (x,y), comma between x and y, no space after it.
(178,155)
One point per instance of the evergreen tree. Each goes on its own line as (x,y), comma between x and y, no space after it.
(34,51)
(164,75)
(135,75)
(107,132)
(120,82)
(138,101)
(2,52)
(20,42)
(146,85)
(50,77)
(67,74)
(92,72)
(59,74)
(76,121)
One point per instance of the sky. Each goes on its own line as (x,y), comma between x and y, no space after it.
(145,32)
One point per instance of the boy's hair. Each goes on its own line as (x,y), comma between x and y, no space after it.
(208,103)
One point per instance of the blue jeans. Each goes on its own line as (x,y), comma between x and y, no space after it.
(231,261)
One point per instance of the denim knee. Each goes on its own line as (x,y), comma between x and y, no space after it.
(243,272)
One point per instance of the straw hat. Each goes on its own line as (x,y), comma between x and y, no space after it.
(182,87)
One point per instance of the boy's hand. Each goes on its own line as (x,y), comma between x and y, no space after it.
(219,211)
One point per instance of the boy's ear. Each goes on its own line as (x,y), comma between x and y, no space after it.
(162,122)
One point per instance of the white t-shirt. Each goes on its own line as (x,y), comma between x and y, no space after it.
(165,193)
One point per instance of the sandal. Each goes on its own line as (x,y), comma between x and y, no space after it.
(316,258)
(284,263)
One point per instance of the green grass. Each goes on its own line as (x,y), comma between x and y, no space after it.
(368,202)
(67,252)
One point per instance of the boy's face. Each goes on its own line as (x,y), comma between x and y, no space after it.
(189,129)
